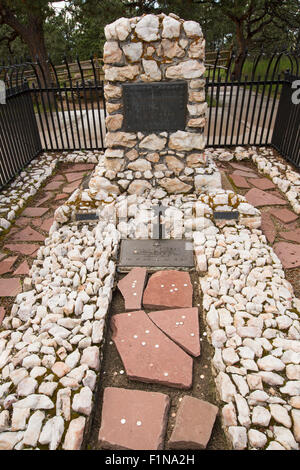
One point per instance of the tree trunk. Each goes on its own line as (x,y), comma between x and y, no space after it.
(242,47)
(36,43)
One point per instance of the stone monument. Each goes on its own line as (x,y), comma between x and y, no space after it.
(155,101)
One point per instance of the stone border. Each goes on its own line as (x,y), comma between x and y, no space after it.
(14,198)
(283,176)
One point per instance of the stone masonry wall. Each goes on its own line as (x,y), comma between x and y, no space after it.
(153,48)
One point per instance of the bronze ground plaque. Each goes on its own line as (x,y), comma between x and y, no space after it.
(156,254)
(158,106)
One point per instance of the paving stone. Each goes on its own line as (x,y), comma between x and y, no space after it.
(34,211)
(47,224)
(240,181)
(194,424)
(237,166)
(132,287)
(74,176)
(23,221)
(81,167)
(2,314)
(263,183)
(293,236)
(148,354)
(27,234)
(71,187)
(54,185)
(133,419)
(285,215)
(268,227)
(258,198)
(288,253)
(46,198)
(246,174)
(10,287)
(168,288)
(61,196)
(22,269)
(24,249)
(58,178)
(181,325)
(6,265)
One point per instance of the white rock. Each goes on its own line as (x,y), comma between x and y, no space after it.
(291,388)
(82,401)
(280,414)
(225,387)
(35,402)
(261,416)
(148,28)
(257,439)
(27,386)
(285,438)
(238,435)
(52,432)
(270,363)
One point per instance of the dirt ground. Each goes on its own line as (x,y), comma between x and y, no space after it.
(112,365)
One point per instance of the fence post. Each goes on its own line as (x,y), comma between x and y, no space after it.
(285,136)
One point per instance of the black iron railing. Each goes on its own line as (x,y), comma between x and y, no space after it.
(62,107)
(243,108)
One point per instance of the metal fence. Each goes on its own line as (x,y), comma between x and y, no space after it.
(51,110)
(69,107)
(19,137)
(244,111)
(286,135)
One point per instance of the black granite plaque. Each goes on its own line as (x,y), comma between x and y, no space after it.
(226,215)
(156,106)
(86,216)
(156,253)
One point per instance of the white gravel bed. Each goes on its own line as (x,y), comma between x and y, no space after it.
(50,343)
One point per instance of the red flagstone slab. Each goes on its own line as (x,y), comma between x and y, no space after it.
(240,181)
(46,198)
(71,187)
(258,198)
(293,236)
(285,215)
(10,287)
(27,234)
(169,288)
(34,211)
(238,166)
(22,269)
(194,424)
(6,265)
(53,185)
(2,314)
(47,224)
(181,325)
(133,419)
(268,227)
(277,194)
(246,174)
(61,196)
(148,354)
(23,221)
(74,176)
(81,167)
(24,249)
(263,183)
(132,287)
(288,253)
(58,178)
